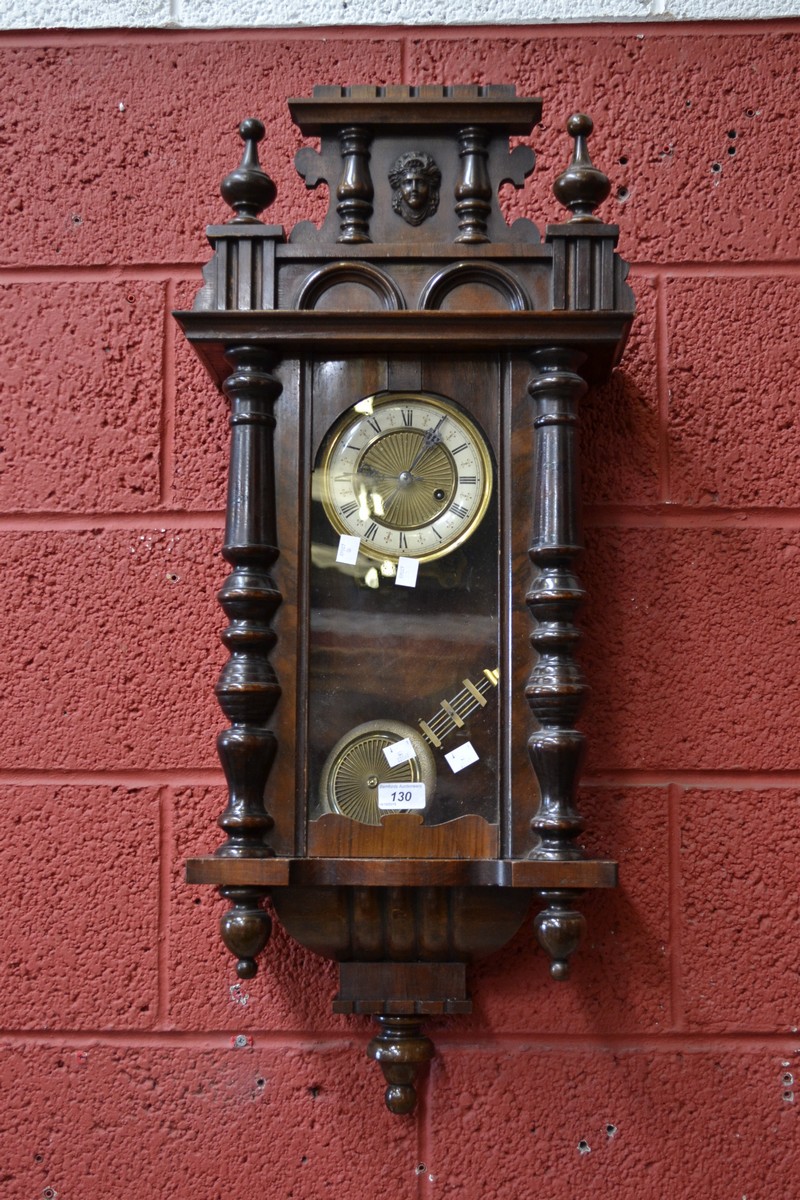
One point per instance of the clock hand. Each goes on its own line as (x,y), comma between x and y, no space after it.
(430,438)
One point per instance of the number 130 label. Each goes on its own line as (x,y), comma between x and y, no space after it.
(401,797)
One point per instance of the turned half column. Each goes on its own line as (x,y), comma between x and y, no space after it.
(556,688)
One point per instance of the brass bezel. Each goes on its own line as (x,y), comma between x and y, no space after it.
(456,414)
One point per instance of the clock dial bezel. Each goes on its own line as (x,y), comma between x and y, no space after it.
(436,500)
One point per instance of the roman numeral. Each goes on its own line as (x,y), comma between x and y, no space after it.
(403,542)
(467,480)
(348,509)
(372,532)
(407,417)
(459,510)
(371,421)
(458,449)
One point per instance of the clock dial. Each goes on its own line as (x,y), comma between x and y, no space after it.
(408,474)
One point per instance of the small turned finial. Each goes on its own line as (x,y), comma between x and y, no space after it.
(248,189)
(582,187)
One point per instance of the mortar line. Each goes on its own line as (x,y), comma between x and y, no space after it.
(189,272)
(644,516)
(476,1041)
(167,422)
(541,31)
(166,826)
(165,520)
(136,778)
(676,516)
(662,391)
(675,878)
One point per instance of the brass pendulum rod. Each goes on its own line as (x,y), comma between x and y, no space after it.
(454,714)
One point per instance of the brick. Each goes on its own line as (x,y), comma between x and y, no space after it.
(278,1119)
(620,422)
(734,344)
(740,909)
(620,979)
(698,89)
(152,131)
(688,633)
(76,953)
(587,1122)
(111,641)
(82,396)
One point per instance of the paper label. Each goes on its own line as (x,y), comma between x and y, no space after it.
(349,546)
(399,752)
(401,797)
(407,570)
(462,756)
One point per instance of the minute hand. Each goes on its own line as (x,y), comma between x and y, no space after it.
(430,438)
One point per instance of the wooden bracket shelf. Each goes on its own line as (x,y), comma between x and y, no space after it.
(578,874)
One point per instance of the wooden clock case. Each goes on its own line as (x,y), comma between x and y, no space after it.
(411,292)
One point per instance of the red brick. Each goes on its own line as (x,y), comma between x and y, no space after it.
(140,184)
(620,979)
(112,648)
(665,102)
(741,909)
(278,1120)
(514,1121)
(689,639)
(78,951)
(620,422)
(734,345)
(81,396)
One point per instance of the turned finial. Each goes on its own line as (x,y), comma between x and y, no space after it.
(248,189)
(582,187)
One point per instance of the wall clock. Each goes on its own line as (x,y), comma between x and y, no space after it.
(404,386)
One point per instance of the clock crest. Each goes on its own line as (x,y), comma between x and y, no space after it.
(404,385)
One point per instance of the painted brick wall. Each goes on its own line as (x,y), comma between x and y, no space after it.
(665,1067)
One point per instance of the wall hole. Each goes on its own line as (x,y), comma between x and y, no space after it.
(622,194)
(623,160)
(732,133)
(420,1168)
(584,1147)
(716,168)
(611,1130)
(731,149)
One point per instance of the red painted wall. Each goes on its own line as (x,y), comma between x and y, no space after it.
(665,1067)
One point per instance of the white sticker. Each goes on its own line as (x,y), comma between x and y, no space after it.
(401,797)
(462,756)
(399,752)
(349,546)
(407,569)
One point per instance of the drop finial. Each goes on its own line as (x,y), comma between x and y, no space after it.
(248,189)
(582,187)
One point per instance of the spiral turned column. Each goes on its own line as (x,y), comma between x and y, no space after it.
(556,689)
(248,689)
